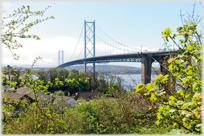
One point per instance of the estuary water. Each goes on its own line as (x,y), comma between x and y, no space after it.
(132,79)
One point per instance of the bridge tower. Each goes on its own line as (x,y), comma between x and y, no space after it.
(89,43)
(60,57)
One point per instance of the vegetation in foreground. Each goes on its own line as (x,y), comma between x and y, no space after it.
(180,91)
(124,115)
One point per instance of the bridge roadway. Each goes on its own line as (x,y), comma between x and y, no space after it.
(130,57)
(143,57)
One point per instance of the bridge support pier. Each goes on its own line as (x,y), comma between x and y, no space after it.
(94,68)
(84,66)
(146,65)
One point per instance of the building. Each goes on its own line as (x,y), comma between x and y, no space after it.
(65,101)
(86,95)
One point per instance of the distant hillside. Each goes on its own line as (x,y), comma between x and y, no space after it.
(104,69)
(111,69)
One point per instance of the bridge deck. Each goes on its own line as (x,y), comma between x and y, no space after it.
(130,57)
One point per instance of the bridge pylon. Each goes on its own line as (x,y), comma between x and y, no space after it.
(60,57)
(89,43)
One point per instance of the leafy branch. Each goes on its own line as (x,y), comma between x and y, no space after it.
(17,27)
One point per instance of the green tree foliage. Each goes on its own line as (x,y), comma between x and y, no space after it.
(59,93)
(42,75)
(180,101)
(52,73)
(12,74)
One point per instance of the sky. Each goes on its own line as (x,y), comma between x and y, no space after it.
(133,24)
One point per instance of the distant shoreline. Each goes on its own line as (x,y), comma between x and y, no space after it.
(101,69)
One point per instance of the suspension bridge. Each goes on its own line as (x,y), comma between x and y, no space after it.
(101,48)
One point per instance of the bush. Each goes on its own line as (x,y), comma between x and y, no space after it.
(179,93)
(98,116)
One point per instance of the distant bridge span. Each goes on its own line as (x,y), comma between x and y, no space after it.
(146,59)
(130,57)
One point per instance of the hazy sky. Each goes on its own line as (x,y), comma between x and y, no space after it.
(130,23)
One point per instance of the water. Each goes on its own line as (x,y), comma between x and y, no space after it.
(132,79)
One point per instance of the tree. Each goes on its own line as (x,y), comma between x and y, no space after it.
(112,79)
(101,79)
(182,104)
(59,93)
(52,72)
(16,27)
(119,80)
(42,75)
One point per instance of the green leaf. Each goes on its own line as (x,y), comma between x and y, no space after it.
(172,98)
(148,86)
(189,48)
(167,32)
(165,78)
(171,102)
(158,122)
(165,100)
(181,92)
(158,77)
(187,95)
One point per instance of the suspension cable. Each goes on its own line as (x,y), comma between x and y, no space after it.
(77,42)
(115,40)
(80,53)
(112,45)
